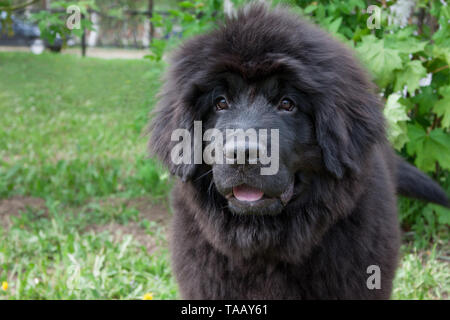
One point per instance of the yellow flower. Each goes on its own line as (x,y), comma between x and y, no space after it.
(4,285)
(148,296)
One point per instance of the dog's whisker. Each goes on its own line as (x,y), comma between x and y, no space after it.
(205,174)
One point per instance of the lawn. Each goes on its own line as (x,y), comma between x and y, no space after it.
(83,211)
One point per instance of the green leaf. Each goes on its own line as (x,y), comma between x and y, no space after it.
(382,61)
(334,26)
(186,4)
(188,17)
(429,148)
(442,35)
(425,99)
(441,47)
(442,107)
(175,13)
(404,42)
(442,52)
(410,76)
(443,213)
(310,8)
(396,116)
(78,32)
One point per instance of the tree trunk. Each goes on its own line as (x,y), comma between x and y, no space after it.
(83,40)
(150,16)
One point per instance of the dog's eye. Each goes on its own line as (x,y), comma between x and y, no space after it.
(221,103)
(286,105)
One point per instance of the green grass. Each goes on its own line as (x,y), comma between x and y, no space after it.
(58,257)
(72,139)
(72,132)
(73,128)
(422,275)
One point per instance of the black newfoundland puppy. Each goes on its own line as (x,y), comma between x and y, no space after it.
(326,221)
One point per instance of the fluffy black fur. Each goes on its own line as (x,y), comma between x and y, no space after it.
(342,216)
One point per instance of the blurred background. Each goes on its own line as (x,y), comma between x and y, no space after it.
(84,212)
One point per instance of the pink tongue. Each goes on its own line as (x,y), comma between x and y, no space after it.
(247,193)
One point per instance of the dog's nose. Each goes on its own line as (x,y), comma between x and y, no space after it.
(242,152)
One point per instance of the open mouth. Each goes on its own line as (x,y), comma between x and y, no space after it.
(247,193)
(246,199)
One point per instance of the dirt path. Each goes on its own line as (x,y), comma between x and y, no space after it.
(17,204)
(14,206)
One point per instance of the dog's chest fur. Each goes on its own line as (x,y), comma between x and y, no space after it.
(336,268)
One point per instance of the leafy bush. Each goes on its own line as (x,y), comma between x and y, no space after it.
(409,60)
(192,17)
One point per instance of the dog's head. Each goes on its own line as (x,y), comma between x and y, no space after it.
(276,77)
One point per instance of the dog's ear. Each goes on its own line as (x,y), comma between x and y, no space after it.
(346,129)
(331,135)
(171,114)
(179,107)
